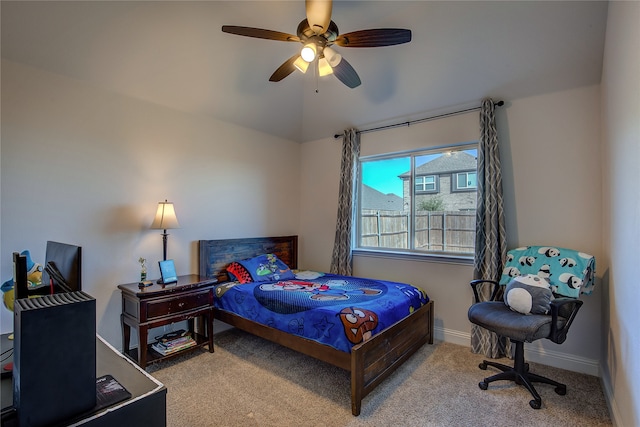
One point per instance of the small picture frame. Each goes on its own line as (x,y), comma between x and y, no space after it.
(167,272)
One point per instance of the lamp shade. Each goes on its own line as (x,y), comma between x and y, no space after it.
(332,57)
(308,52)
(324,69)
(301,65)
(165,217)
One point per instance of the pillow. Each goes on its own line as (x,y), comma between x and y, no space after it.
(528,294)
(267,268)
(308,275)
(239,273)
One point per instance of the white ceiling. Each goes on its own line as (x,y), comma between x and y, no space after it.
(175,54)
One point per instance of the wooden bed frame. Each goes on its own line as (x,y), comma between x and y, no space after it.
(369,362)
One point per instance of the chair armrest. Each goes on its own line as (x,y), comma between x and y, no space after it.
(474,285)
(559,335)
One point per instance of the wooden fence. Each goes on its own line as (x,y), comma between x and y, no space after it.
(442,231)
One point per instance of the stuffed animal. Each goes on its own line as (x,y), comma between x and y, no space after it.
(528,294)
(34,280)
(34,272)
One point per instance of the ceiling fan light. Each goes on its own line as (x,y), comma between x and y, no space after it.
(324,69)
(301,65)
(332,56)
(308,52)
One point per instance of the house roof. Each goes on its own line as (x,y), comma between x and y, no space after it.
(174,55)
(374,199)
(454,161)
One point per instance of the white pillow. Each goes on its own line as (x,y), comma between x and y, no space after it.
(528,294)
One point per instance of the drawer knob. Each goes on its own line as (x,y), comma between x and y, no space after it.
(181,304)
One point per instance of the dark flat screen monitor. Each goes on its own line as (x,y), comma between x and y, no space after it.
(63,264)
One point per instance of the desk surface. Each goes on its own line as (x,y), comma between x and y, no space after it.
(108,361)
(188,281)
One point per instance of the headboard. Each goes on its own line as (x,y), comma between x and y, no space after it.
(216,255)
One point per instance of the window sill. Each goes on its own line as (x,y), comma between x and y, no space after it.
(414,256)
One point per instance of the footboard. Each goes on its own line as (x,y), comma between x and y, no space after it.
(375,359)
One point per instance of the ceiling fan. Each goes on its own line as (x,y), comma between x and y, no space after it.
(318,33)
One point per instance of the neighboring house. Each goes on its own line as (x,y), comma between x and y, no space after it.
(376,200)
(450,177)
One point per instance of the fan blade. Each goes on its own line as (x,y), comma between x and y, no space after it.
(374,38)
(259,33)
(285,69)
(319,15)
(346,74)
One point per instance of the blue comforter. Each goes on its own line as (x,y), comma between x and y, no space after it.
(340,311)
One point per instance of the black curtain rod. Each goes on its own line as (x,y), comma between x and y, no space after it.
(497,104)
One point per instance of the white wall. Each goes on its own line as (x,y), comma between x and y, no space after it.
(85,166)
(552,188)
(621,239)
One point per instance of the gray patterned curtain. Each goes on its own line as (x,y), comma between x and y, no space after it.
(491,245)
(341,257)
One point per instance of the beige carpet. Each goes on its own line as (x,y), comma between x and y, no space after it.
(250,381)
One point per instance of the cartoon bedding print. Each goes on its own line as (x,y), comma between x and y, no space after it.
(358,323)
(336,310)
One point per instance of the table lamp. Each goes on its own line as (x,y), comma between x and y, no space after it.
(165,219)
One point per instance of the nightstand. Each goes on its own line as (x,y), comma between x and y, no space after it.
(159,305)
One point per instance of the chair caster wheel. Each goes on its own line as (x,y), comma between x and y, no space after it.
(483,385)
(561,390)
(483,366)
(535,404)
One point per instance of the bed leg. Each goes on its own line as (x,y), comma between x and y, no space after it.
(357,380)
(355,408)
(431,318)
(356,397)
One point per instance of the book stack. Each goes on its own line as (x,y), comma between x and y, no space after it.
(170,346)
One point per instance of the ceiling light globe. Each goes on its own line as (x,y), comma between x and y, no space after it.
(308,52)
(324,69)
(301,65)
(332,56)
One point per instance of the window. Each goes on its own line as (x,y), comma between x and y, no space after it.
(466,181)
(420,202)
(426,183)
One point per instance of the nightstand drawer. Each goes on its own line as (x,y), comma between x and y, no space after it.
(171,306)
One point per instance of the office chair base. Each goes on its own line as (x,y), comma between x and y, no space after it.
(520,374)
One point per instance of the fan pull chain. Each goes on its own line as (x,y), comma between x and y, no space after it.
(317,74)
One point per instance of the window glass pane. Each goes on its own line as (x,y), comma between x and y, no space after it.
(462,180)
(409,202)
(467,180)
(472,179)
(383,207)
(430,183)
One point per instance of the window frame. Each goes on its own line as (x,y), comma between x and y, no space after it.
(409,253)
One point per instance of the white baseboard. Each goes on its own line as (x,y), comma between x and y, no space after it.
(610,397)
(534,354)
(454,337)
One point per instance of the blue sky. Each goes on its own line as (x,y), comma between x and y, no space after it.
(383,174)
